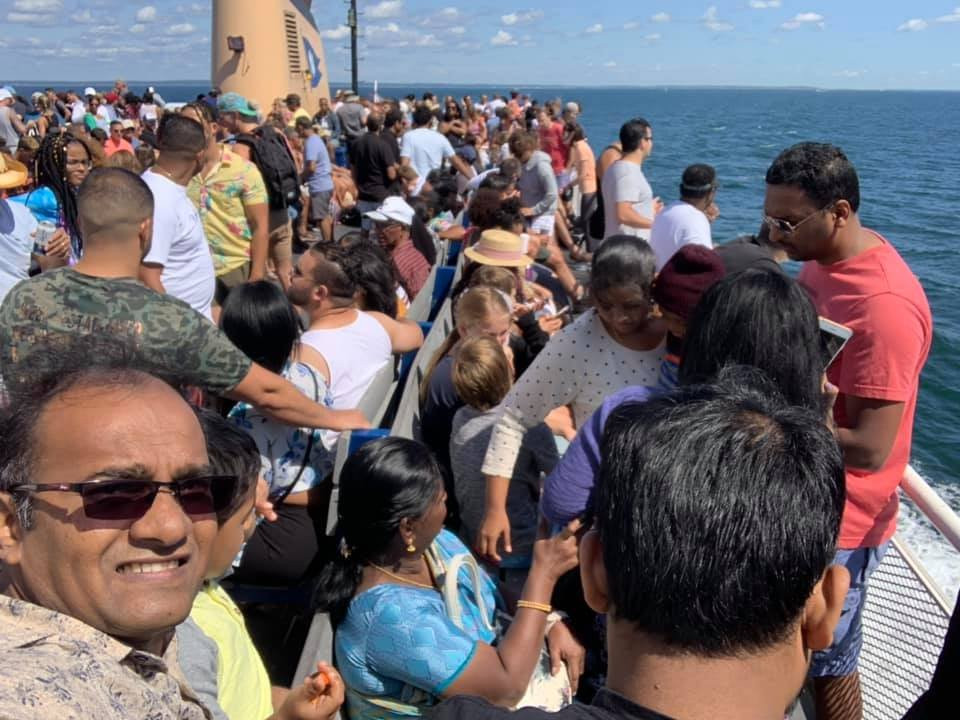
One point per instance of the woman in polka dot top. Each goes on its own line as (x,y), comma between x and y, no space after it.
(615,345)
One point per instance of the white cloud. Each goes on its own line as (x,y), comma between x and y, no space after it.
(146,14)
(38,6)
(337,33)
(458,30)
(850,73)
(449,13)
(502,38)
(594,29)
(138,28)
(712,22)
(181,29)
(521,18)
(429,40)
(610,64)
(31,18)
(385,9)
(390,27)
(82,18)
(801,19)
(660,17)
(951,18)
(764,4)
(652,37)
(632,25)
(914,25)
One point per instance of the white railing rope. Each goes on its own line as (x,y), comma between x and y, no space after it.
(932,505)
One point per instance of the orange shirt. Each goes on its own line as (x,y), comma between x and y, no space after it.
(877,296)
(110,147)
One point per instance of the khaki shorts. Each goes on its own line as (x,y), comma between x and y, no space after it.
(281,242)
(228,281)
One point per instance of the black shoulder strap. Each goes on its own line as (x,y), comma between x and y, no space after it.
(306,455)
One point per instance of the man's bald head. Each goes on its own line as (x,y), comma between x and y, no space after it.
(112,203)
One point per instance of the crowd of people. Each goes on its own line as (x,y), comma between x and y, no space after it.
(195,299)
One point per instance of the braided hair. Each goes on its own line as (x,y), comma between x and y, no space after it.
(50,170)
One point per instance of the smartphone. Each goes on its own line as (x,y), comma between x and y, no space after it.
(833,338)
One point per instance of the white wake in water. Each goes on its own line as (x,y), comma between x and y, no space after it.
(937,555)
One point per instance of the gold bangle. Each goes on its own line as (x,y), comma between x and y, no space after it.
(534,606)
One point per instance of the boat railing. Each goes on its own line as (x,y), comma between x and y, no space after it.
(906,615)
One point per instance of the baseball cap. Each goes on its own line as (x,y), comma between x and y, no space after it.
(5,94)
(393,209)
(235,102)
(127,124)
(89,91)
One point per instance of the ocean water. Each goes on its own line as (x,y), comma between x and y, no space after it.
(904,145)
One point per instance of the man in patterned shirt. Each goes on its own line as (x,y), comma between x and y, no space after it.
(232,200)
(101,297)
(107,517)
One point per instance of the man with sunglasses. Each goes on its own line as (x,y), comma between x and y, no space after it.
(858,279)
(392,223)
(107,514)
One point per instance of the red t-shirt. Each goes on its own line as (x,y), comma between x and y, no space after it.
(411,267)
(551,142)
(877,296)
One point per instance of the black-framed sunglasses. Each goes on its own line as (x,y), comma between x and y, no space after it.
(785,227)
(119,499)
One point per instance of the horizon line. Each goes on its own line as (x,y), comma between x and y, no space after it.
(662,86)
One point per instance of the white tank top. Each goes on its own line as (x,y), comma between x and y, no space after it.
(354,354)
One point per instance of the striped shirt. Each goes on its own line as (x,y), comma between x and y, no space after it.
(411,267)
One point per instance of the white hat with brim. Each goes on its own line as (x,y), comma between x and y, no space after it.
(13,174)
(89,91)
(500,248)
(393,209)
(5,95)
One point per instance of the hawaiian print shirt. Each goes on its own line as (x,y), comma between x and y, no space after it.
(55,666)
(220,197)
(161,335)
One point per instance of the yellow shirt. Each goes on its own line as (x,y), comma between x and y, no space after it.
(243,687)
(298,114)
(220,197)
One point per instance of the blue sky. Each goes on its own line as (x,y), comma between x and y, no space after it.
(851,44)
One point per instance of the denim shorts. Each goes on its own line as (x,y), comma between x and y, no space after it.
(841,658)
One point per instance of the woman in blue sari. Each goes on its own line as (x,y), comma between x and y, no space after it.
(407,635)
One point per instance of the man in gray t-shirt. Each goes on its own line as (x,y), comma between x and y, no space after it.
(629,204)
(352,116)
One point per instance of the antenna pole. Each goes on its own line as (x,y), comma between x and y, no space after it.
(352,22)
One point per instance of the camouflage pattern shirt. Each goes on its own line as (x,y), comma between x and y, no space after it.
(157,333)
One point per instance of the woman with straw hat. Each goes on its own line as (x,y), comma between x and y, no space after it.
(17,227)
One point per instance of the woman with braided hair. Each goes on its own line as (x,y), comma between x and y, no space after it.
(61,164)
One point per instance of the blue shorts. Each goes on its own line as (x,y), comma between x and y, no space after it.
(841,658)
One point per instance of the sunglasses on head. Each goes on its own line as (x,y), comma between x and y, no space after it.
(131,499)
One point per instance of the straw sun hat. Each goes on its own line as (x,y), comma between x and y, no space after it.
(499,247)
(13,174)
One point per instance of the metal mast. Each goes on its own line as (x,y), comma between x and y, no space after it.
(352,22)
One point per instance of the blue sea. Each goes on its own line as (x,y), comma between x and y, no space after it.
(904,145)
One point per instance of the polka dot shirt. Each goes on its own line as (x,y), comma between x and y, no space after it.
(581,366)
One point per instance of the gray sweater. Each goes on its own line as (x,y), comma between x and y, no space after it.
(538,184)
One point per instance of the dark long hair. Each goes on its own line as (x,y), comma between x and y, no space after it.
(382,483)
(50,170)
(758,318)
(370,269)
(259,319)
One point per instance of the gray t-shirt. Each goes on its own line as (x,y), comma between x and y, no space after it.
(469,438)
(199,659)
(624,181)
(7,131)
(351,120)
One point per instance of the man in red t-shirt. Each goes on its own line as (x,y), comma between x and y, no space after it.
(392,222)
(858,279)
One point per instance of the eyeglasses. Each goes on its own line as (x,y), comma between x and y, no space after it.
(131,499)
(785,227)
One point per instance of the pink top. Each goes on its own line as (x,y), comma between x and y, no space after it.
(551,142)
(877,296)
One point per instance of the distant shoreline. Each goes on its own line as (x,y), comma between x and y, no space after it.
(534,86)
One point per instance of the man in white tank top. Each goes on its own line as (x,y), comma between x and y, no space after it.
(351,346)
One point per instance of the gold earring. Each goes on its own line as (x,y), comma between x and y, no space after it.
(411,548)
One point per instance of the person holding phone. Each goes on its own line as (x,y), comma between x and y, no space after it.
(858,279)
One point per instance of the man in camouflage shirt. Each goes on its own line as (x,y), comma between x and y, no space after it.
(101,297)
